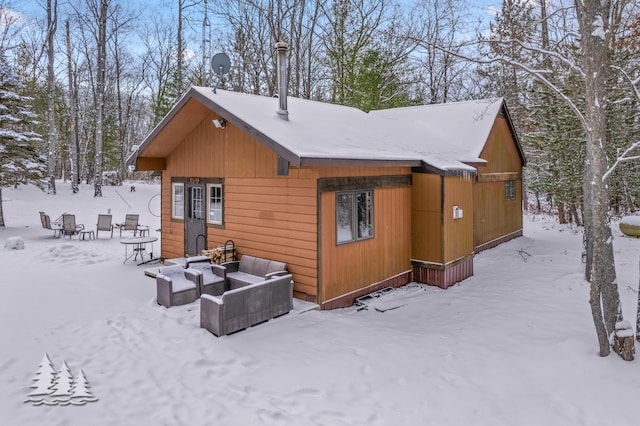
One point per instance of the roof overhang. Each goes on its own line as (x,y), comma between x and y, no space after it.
(505,111)
(188,112)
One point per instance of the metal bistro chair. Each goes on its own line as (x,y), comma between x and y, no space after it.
(130,224)
(104,224)
(69,226)
(46,224)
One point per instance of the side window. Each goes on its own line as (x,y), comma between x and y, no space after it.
(344,217)
(214,203)
(510,190)
(177,200)
(354,216)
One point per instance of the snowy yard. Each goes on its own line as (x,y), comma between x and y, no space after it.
(513,345)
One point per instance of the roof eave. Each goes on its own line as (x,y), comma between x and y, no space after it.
(356,162)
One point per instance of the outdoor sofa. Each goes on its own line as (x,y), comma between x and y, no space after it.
(251,270)
(246,306)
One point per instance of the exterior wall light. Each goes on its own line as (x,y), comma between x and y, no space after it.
(220,124)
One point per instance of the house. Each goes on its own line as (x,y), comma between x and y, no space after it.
(351,201)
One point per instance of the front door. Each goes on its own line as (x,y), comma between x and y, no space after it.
(195,235)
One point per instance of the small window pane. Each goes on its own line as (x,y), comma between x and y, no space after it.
(178,201)
(365,214)
(215,204)
(344,217)
(196,211)
(510,190)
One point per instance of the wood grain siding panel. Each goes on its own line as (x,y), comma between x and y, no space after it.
(496,217)
(458,233)
(228,152)
(427,217)
(276,219)
(349,267)
(500,151)
(150,164)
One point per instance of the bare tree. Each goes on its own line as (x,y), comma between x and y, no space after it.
(52,24)
(74,155)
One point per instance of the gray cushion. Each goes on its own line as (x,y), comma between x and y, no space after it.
(246,264)
(275,266)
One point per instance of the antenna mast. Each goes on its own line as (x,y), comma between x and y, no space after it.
(206,47)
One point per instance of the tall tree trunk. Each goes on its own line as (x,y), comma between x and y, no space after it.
(121,124)
(100,82)
(74,146)
(562,219)
(637,311)
(52,23)
(593,16)
(180,52)
(1,211)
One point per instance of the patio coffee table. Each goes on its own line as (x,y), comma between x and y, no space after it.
(139,247)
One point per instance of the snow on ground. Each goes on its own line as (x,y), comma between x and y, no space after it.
(513,345)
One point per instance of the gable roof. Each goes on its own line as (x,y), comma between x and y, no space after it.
(440,138)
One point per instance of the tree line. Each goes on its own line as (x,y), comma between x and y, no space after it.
(99,75)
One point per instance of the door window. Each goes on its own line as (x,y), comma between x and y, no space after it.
(196,203)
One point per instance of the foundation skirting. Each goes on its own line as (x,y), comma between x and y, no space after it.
(347,300)
(440,275)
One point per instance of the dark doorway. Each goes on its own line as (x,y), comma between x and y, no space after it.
(195,235)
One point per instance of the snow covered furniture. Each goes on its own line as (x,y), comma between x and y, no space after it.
(104,224)
(130,224)
(246,306)
(69,226)
(225,314)
(250,270)
(281,301)
(211,278)
(46,224)
(176,286)
(630,226)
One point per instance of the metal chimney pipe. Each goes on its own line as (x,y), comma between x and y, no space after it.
(281,50)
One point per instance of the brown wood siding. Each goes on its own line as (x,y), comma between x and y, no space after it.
(496,217)
(227,152)
(500,151)
(349,267)
(458,233)
(426,218)
(273,216)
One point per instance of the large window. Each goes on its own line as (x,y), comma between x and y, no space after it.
(177,200)
(510,190)
(214,204)
(354,216)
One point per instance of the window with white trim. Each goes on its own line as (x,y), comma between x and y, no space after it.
(177,200)
(354,216)
(214,203)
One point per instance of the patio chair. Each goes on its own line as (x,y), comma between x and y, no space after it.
(130,224)
(176,286)
(211,278)
(69,226)
(104,224)
(46,224)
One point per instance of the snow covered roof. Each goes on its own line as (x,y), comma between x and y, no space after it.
(442,137)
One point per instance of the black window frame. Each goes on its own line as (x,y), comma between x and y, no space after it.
(355,214)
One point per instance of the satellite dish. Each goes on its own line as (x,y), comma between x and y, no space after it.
(220,64)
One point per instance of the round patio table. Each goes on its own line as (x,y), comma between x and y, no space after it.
(138,247)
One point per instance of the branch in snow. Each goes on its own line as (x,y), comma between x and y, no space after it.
(534,72)
(622,158)
(545,52)
(634,83)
